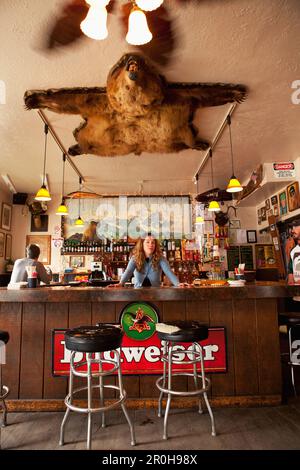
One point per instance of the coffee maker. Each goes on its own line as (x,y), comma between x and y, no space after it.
(97,274)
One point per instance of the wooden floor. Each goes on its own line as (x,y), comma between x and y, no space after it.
(265,428)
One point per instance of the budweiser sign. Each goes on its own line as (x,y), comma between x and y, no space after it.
(144,357)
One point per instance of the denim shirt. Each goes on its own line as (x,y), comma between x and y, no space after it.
(153,275)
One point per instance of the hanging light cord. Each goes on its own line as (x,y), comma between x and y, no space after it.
(63,177)
(45,152)
(197,181)
(80,187)
(230,137)
(212,171)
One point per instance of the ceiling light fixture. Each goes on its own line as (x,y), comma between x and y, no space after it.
(234,186)
(149,5)
(62,209)
(43,193)
(213,205)
(138,30)
(94,25)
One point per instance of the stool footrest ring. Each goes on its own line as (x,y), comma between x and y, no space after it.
(196,392)
(94,410)
(6,392)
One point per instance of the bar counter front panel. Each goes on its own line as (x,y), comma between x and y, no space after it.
(249,315)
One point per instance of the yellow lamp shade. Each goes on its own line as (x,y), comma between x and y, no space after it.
(234,186)
(79,221)
(62,210)
(199,220)
(138,31)
(43,194)
(214,206)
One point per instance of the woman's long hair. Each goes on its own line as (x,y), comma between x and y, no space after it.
(139,254)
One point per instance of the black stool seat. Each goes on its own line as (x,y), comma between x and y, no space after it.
(104,337)
(289,318)
(189,331)
(4,336)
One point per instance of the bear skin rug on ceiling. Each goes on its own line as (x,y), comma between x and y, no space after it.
(138,111)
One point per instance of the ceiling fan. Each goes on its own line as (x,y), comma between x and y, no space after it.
(65,30)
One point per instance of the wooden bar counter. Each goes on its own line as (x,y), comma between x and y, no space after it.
(248,313)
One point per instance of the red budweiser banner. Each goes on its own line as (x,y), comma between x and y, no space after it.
(143,356)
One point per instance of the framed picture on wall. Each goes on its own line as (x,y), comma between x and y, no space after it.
(2,243)
(6,216)
(8,243)
(39,223)
(267,204)
(77,261)
(293,196)
(251,236)
(283,203)
(274,200)
(259,216)
(234,223)
(44,244)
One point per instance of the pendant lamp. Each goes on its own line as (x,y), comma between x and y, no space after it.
(94,25)
(138,30)
(43,193)
(62,209)
(213,205)
(79,220)
(234,186)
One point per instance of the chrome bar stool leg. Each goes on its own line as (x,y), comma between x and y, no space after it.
(165,435)
(89,384)
(123,406)
(164,379)
(101,391)
(196,376)
(3,392)
(291,361)
(213,429)
(67,412)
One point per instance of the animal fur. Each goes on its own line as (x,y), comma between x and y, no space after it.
(138,111)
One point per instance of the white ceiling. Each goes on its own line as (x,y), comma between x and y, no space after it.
(255,43)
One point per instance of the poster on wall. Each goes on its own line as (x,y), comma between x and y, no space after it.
(132,217)
(283,203)
(293,196)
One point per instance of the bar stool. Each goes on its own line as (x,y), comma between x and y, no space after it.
(4,391)
(291,320)
(182,332)
(95,339)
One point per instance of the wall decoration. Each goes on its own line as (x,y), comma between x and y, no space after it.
(235,223)
(77,261)
(274,200)
(8,243)
(39,223)
(2,244)
(126,116)
(118,217)
(259,216)
(263,214)
(6,216)
(293,196)
(251,236)
(283,203)
(44,243)
(208,227)
(267,204)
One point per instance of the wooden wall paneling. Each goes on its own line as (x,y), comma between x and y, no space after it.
(245,347)
(269,365)
(80,314)
(221,315)
(32,351)
(56,317)
(11,321)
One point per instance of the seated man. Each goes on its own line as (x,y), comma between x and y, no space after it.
(19,272)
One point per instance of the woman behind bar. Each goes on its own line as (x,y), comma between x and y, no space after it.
(147,264)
